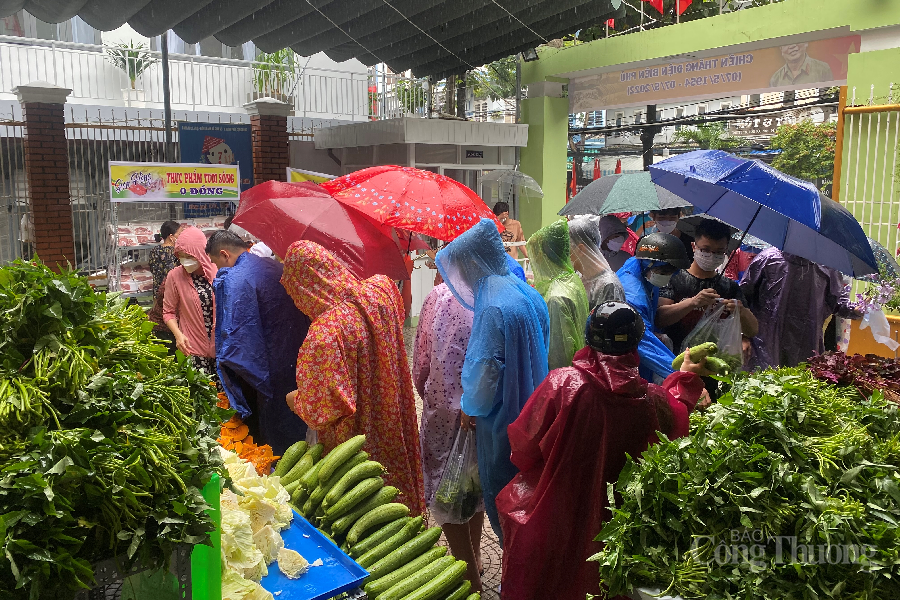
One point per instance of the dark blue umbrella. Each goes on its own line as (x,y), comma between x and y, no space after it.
(787,212)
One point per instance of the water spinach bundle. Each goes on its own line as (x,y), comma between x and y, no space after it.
(105,440)
(787,489)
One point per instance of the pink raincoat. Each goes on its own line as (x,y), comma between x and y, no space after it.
(181,301)
(352,373)
(440,350)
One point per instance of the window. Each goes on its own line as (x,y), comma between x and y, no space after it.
(619,116)
(725,106)
(659,115)
(679,113)
(701,109)
(638,116)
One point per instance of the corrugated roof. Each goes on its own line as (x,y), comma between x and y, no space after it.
(431,37)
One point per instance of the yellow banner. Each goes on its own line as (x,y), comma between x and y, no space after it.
(819,63)
(173,182)
(298,175)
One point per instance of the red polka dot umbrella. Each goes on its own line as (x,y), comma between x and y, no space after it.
(412,199)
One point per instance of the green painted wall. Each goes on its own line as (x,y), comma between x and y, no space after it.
(776,20)
(540,159)
(545,157)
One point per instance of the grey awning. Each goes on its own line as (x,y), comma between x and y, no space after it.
(431,37)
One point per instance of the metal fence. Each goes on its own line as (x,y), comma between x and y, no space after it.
(868,169)
(206,83)
(15,227)
(92,143)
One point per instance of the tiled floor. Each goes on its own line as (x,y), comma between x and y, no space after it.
(490,548)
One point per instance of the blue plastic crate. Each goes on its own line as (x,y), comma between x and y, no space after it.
(338,574)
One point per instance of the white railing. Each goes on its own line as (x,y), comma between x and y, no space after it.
(205,83)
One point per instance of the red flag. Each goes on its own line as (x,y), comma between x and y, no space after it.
(682,5)
(618,166)
(597,173)
(611,23)
(657,4)
(574,189)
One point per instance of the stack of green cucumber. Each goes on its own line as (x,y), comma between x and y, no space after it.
(717,362)
(344,496)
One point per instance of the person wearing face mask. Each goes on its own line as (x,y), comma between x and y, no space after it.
(657,257)
(667,222)
(513,230)
(259,332)
(613,234)
(189,306)
(599,278)
(690,292)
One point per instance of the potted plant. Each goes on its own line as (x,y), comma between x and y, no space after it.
(273,76)
(133,60)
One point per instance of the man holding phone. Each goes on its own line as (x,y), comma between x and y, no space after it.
(690,292)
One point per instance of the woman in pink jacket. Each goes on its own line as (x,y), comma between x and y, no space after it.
(189,307)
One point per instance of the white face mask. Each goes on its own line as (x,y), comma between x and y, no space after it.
(615,244)
(657,279)
(708,261)
(666,226)
(190,264)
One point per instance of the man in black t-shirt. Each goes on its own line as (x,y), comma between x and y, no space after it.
(690,292)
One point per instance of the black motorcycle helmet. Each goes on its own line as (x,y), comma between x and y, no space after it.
(614,328)
(663,248)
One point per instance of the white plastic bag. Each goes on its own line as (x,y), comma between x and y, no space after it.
(724,330)
(459,491)
(881,329)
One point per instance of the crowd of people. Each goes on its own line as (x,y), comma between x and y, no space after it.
(558,379)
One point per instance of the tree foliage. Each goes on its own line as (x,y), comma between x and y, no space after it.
(495,80)
(807,149)
(698,9)
(709,136)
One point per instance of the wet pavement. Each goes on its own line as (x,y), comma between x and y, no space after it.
(490,547)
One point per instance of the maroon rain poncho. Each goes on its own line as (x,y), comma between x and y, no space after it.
(569,442)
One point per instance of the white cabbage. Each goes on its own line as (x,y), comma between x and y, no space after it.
(291,563)
(269,543)
(251,520)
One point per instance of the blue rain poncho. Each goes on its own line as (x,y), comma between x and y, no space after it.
(515,268)
(258,334)
(562,289)
(656,358)
(507,354)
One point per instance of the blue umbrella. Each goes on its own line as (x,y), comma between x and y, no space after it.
(786,212)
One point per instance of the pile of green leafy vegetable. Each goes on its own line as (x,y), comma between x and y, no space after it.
(786,489)
(105,440)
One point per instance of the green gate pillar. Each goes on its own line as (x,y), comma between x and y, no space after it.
(544,158)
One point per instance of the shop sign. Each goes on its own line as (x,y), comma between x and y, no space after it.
(767,125)
(173,182)
(474,153)
(819,63)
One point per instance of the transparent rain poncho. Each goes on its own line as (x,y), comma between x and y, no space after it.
(506,358)
(599,279)
(562,289)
